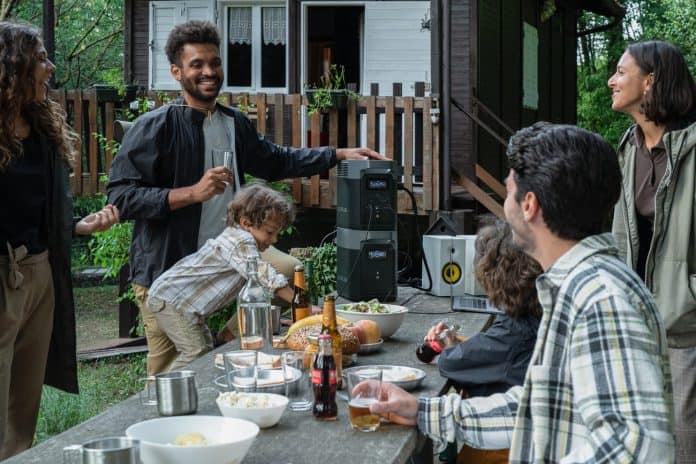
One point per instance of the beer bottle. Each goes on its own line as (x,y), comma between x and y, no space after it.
(324,381)
(301,306)
(330,327)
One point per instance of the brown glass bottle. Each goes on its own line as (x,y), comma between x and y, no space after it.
(324,381)
(329,326)
(301,306)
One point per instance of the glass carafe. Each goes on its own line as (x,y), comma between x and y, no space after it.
(254,312)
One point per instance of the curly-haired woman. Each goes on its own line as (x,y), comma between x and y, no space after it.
(36,228)
(495,360)
(655,218)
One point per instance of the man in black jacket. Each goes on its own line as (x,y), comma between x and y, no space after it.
(165,179)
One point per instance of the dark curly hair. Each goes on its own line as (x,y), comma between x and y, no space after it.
(505,272)
(574,174)
(259,203)
(19,55)
(190,32)
(672,95)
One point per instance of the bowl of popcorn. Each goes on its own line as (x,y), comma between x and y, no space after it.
(263,409)
(187,439)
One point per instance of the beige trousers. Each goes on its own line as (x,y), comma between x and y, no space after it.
(162,351)
(26,323)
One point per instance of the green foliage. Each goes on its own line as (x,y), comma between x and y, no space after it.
(89,39)
(88,204)
(323,97)
(110,248)
(217,320)
(103,383)
(323,279)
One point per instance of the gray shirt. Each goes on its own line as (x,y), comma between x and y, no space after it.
(218,132)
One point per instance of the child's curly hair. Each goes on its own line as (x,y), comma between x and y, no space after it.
(506,273)
(259,203)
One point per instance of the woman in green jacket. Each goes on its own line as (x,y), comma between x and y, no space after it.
(655,218)
(37,320)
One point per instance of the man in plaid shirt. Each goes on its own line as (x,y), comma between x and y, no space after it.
(598,387)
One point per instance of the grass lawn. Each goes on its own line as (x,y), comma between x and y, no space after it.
(102,382)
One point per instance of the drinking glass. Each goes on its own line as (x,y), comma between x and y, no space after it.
(359,405)
(241,370)
(226,157)
(297,380)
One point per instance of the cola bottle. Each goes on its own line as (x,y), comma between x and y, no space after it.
(324,381)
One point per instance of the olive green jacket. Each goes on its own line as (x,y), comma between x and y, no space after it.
(670,271)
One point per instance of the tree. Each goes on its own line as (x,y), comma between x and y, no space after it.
(89,39)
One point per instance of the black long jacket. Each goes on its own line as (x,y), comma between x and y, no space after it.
(492,361)
(164,150)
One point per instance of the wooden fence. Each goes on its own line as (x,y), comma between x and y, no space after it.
(399,127)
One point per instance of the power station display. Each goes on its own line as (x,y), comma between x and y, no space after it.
(366,240)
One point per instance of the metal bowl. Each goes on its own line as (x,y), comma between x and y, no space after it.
(408,378)
(264,375)
(368,348)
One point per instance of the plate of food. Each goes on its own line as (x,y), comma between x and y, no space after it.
(408,378)
(387,316)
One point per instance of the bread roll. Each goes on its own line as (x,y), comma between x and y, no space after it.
(299,339)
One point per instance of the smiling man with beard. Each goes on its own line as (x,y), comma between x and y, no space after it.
(164,177)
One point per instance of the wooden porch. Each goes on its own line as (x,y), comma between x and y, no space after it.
(399,127)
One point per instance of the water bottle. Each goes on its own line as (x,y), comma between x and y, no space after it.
(254,312)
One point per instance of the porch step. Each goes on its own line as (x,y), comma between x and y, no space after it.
(115,347)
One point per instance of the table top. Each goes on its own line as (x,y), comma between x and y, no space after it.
(299,437)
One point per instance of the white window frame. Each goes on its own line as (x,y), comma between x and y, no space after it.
(256,43)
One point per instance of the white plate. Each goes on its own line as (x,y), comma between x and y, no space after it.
(368,348)
(266,361)
(407,378)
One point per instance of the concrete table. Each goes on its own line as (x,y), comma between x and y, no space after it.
(298,438)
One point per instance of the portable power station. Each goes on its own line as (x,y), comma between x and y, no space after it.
(366,240)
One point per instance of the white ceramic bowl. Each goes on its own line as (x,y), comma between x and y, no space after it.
(263,417)
(229,439)
(388,322)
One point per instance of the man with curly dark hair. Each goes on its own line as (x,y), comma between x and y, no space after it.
(598,386)
(166,179)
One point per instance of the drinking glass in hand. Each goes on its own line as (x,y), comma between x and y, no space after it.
(226,157)
(241,370)
(297,380)
(359,405)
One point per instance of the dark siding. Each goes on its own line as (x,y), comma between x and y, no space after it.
(462,155)
(141,14)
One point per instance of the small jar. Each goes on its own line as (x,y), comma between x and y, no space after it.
(311,350)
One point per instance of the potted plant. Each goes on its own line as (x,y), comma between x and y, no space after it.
(331,93)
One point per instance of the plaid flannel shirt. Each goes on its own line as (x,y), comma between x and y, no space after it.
(598,387)
(209,279)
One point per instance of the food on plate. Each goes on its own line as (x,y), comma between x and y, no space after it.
(191,439)
(312,320)
(370,329)
(244,400)
(373,307)
(299,339)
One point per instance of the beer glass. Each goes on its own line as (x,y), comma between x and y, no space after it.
(226,157)
(359,405)
(296,375)
(241,370)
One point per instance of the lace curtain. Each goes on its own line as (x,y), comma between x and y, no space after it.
(240,25)
(273,25)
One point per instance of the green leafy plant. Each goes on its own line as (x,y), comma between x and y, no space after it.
(331,89)
(323,279)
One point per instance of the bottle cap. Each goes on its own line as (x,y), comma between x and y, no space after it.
(299,267)
(324,337)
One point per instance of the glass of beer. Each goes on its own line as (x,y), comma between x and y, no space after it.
(360,399)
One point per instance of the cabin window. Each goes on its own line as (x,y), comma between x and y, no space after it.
(256,47)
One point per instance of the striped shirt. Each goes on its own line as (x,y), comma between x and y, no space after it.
(598,387)
(209,279)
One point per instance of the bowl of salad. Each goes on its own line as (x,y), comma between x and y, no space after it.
(389,317)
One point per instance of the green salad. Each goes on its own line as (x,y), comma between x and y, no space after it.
(373,306)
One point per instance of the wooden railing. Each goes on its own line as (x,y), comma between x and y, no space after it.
(399,127)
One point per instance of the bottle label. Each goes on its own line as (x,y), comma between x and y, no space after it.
(316,377)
